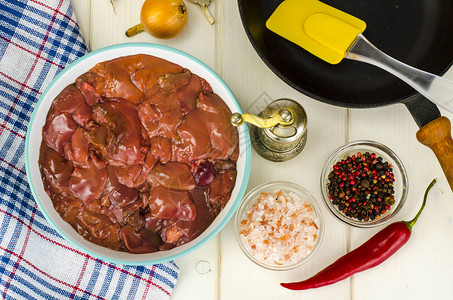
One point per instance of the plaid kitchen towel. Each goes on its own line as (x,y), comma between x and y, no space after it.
(38,38)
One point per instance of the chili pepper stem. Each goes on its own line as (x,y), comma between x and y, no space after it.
(135,30)
(411,223)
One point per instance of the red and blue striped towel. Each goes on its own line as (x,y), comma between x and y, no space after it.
(38,38)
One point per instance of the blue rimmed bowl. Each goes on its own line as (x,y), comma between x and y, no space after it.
(68,76)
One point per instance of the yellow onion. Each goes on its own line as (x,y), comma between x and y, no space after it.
(162,19)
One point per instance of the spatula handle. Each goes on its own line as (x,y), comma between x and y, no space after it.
(437,136)
(437,89)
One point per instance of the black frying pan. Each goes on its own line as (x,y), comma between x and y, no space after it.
(416,32)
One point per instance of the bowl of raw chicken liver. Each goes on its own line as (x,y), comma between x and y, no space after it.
(131,155)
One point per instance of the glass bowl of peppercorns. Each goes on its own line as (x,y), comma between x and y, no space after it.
(364,183)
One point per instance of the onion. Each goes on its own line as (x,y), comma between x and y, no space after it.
(162,19)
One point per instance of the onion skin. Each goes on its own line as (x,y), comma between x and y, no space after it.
(162,19)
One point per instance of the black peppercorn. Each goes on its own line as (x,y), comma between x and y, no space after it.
(379,166)
(365,183)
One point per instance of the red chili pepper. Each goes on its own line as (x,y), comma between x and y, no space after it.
(370,254)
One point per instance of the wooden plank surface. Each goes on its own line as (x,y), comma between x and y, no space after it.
(219,270)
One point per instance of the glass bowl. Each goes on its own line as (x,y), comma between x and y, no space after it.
(288,188)
(400,184)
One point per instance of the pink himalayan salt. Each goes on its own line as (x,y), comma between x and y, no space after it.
(279,229)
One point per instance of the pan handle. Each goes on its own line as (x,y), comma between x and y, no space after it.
(437,136)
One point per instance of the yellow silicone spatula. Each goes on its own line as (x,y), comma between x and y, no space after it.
(332,35)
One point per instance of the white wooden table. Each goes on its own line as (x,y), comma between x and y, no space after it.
(422,269)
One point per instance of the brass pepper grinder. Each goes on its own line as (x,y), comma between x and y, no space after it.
(280,130)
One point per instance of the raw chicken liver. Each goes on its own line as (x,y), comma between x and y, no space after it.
(139,154)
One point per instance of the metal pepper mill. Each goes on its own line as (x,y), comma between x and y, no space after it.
(280,130)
